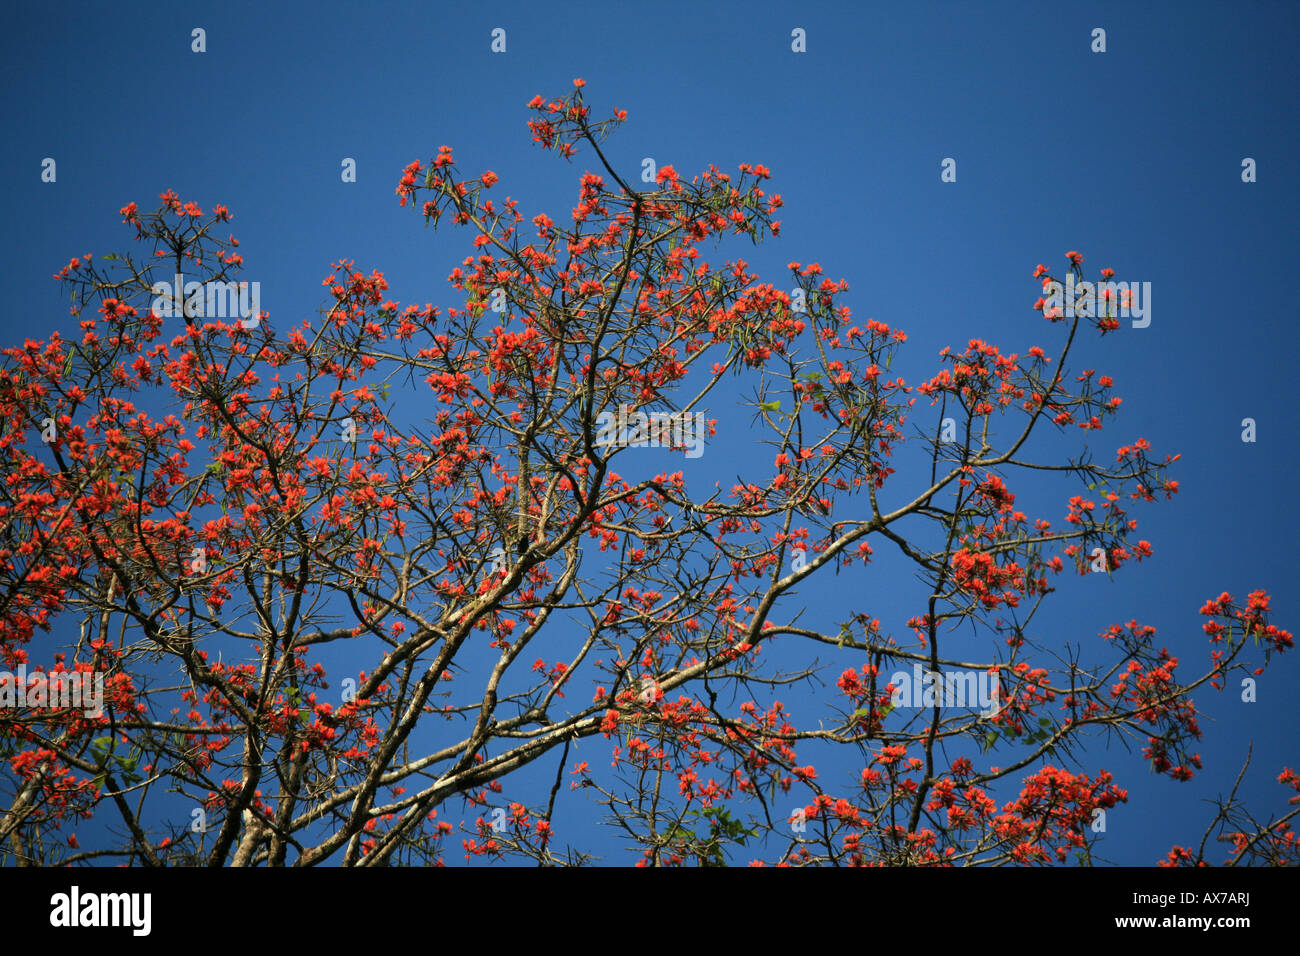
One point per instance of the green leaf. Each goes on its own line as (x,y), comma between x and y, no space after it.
(770,406)
(101,746)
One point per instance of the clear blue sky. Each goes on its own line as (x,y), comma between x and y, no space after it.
(1132,157)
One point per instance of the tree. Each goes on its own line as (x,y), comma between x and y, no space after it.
(327,621)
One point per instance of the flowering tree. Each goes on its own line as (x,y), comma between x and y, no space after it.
(333,630)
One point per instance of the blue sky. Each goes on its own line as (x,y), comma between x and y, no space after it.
(1132,156)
